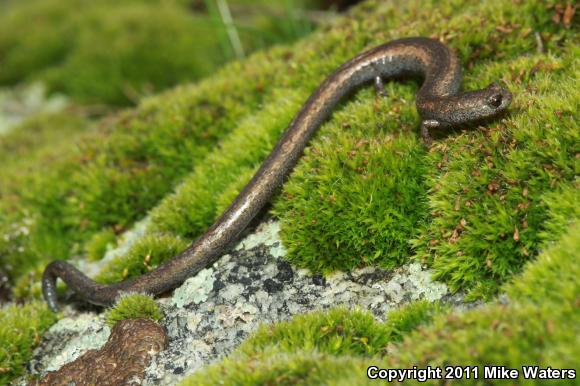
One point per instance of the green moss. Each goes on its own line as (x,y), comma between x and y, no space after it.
(563,210)
(138,49)
(21,327)
(539,326)
(275,368)
(115,53)
(36,145)
(142,257)
(553,278)
(342,332)
(402,321)
(47,36)
(337,332)
(133,306)
(97,246)
(38,133)
(354,201)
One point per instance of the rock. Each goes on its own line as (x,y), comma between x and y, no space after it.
(121,361)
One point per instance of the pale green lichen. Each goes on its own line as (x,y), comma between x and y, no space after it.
(194,290)
(76,324)
(266,234)
(423,279)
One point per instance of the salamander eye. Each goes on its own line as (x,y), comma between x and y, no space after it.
(495,100)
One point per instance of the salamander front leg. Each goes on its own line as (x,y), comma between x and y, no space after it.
(380,87)
(426,125)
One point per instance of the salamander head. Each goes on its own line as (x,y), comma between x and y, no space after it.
(468,107)
(496,100)
(480,105)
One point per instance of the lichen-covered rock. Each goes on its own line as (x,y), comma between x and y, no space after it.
(67,340)
(213,312)
(121,361)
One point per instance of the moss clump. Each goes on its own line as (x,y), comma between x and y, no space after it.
(342,332)
(133,306)
(47,38)
(284,369)
(563,210)
(538,327)
(337,332)
(358,200)
(38,133)
(138,49)
(97,246)
(402,321)
(21,327)
(552,280)
(35,146)
(145,255)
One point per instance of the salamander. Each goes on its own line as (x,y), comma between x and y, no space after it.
(440,103)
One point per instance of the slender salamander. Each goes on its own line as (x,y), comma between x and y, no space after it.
(440,104)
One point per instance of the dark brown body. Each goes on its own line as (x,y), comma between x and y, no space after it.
(439,103)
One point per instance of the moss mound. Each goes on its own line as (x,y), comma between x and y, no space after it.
(116,52)
(21,327)
(133,306)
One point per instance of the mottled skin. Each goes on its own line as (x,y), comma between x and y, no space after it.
(439,102)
